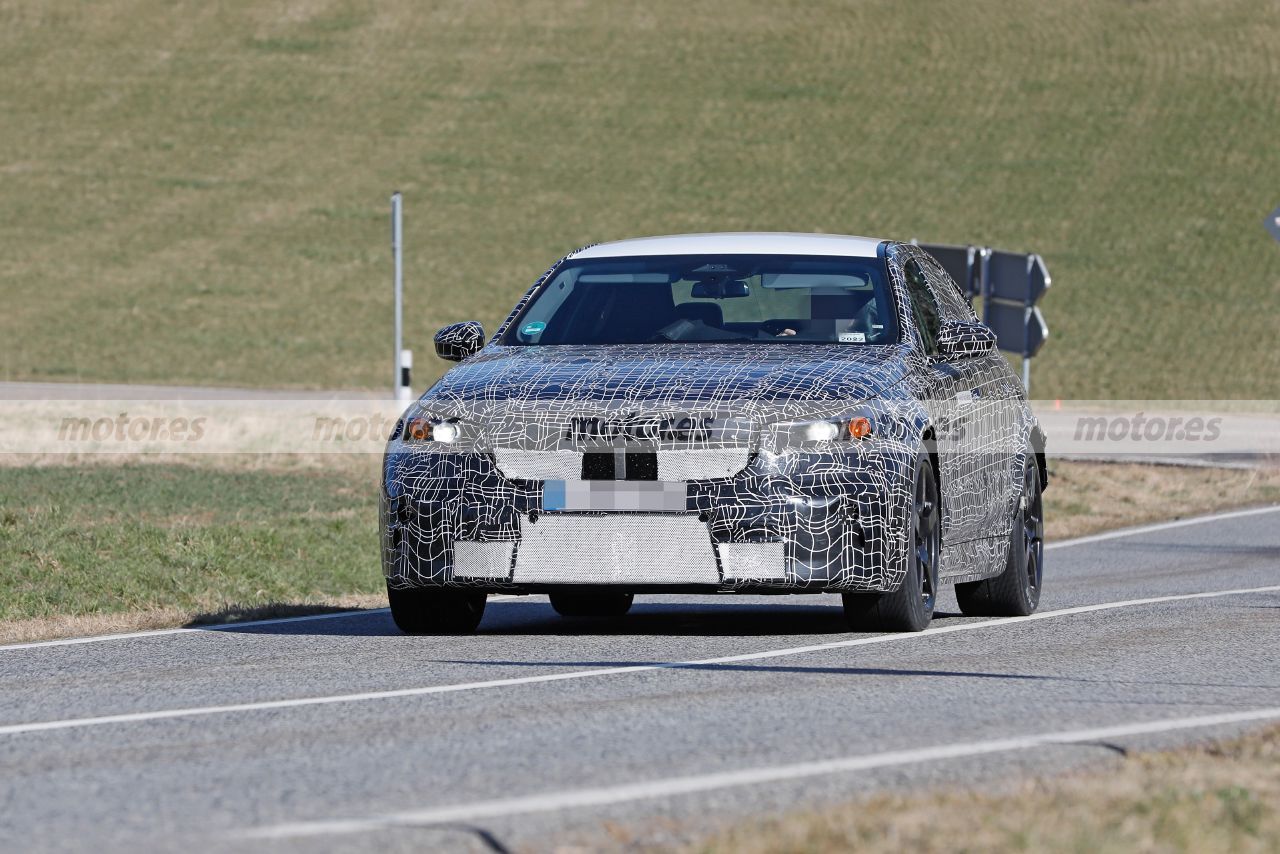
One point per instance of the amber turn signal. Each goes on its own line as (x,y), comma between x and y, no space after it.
(418,429)
(860,427)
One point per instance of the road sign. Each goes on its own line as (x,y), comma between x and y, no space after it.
(1012,284)
(1016,277)
(1019,329)
(1272,222)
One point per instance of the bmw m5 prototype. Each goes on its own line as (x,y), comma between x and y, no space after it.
(729,413)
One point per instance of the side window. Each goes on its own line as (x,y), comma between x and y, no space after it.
(924,308)
(954,306)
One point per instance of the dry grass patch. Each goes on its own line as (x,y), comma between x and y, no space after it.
(1084,498)
(88,625)
(1222,797)
(361,468)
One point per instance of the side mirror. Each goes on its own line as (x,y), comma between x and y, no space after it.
(957,339)
(457,341)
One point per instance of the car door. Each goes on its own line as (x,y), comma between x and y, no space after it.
(986,422)
(943,390)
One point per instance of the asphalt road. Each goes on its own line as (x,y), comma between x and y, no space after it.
(337,734)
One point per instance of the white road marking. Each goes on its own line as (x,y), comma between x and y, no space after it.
(1078,541)
(1162,526)
(196,711)
(153,633)
(674,786)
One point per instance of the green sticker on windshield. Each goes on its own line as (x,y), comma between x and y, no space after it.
(533,328)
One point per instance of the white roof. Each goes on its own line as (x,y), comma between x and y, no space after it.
(737,243)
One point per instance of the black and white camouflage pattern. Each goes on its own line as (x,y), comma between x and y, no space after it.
(747,505)
(456,341)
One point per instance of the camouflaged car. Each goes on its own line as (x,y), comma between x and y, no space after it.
(733,413)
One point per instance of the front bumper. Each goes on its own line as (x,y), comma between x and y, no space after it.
(789,522)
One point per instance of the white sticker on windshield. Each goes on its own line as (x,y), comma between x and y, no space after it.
(853,338)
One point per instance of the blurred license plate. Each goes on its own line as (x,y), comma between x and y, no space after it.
(628,495)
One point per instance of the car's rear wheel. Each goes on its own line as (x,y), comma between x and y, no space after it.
(436,610)
(591,604)
(1015,592)
(910,607)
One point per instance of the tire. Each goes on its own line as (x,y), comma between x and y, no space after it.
(436,611)
(910,607)
(1015,592)
(591,604)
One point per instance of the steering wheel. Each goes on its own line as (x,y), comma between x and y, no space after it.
(774,327)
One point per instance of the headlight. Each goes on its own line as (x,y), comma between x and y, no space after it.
(821,431)
(446,432)
(854,428)
(422,428)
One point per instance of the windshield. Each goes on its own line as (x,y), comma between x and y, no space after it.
(800,299)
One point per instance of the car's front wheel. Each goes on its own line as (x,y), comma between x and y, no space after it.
(436,610)
(591,604)
(1016,591)
(910,607)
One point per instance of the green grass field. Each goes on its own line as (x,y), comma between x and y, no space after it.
(197,193)
(90,540)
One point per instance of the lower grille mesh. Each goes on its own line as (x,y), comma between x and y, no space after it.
(615,549)
(482,560)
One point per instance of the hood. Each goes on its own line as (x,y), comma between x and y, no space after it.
(753,377)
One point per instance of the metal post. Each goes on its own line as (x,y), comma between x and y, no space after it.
(971,274)
(1026,325)
(397,252)
(984,282)
(405,391)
